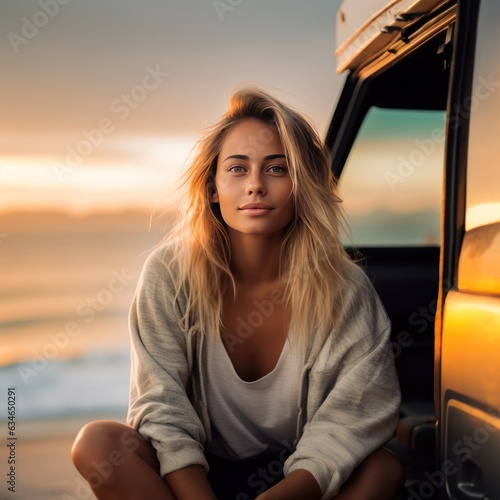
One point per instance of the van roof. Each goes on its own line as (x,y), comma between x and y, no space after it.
(364,29)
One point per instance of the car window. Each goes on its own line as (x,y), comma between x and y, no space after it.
(391,182)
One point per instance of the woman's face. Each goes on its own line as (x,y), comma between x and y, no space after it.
(252,181)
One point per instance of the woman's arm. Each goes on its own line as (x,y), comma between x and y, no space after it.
(358,416)
(353,393)
(190,482)
(298,485)
(159,407)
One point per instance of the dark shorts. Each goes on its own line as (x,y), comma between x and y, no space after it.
(245,479)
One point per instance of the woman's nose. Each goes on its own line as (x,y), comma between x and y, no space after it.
(256,184)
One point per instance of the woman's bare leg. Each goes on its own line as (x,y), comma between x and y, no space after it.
(118,463)
(379,477)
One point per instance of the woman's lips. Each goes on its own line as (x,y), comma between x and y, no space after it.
(256,208)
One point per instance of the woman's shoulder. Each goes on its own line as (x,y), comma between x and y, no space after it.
(160,266)
(162,257)
(361,307)
(361,322)
(358,285)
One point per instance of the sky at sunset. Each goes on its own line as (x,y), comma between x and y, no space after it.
(102,101)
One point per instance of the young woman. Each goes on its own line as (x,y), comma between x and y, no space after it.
(260,351)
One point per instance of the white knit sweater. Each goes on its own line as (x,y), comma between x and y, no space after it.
(349,394)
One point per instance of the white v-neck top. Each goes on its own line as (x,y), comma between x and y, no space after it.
(250,418)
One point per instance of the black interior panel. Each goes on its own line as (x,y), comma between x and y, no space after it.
(407,281)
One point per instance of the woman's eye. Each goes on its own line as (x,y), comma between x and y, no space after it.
(277,169)
(236,169)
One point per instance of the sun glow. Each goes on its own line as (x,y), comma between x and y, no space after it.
(131,171)
(482,215)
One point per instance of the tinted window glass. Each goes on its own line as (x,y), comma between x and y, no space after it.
(391,183)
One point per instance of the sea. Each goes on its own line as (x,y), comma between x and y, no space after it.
(66,285)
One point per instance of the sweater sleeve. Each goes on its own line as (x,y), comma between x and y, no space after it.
(353,397)
(159,407)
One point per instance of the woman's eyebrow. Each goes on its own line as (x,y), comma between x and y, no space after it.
(237,157)
(245,157)
(273,157)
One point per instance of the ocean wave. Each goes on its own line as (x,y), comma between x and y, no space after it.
(8,326)
(94,383)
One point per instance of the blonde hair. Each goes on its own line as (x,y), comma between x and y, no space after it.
(313,262)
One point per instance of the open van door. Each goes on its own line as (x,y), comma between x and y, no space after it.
(468,326)
(414,142)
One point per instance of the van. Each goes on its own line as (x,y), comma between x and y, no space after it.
(415,143)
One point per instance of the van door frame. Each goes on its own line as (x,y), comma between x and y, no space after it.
(454,181)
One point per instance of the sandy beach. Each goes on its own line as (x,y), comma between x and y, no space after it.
(66,288)
(44,470)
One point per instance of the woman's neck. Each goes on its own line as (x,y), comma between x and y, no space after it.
(255,258)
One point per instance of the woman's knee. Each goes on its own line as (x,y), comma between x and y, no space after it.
(103,441)
(392,466)
(383,468)
(108,454)
(380,476)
